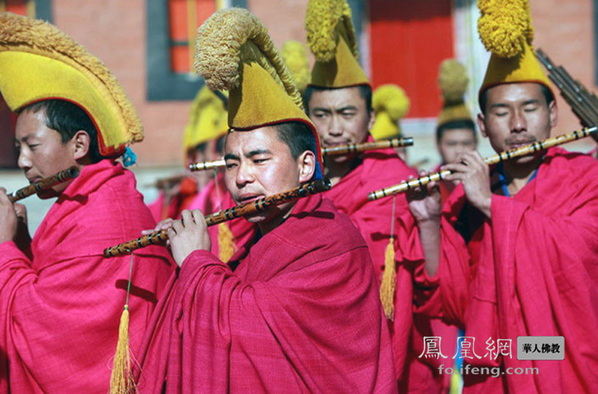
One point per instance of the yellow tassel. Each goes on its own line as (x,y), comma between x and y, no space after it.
(121,380)
(388,286)
(226,243)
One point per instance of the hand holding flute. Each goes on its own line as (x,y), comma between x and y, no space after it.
(253,207)
(13,216)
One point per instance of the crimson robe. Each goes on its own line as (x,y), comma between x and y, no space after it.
(162,208)
(60,311)
(529,271)
(299,313)
(377,170)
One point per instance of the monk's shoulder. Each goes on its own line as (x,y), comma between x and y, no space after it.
(324,231)
(574,166)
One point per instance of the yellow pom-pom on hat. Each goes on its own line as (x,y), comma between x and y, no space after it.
(294,55)
(453,81)
(235,53)
(39,62)
(207,120)
(331,38)
(390,104)
(506,30)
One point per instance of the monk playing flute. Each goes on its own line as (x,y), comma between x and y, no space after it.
(297,308)
(338,100)
(60,299)
(514,251)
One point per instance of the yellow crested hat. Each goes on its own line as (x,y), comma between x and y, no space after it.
(294,55)
(506,30)
(453,81)
(331,38)
(39,62)
(390,104)
(207,120)
(235,53)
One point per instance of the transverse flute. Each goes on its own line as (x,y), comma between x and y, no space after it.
(507,155)
(332,150)
(259,205)
(44,184)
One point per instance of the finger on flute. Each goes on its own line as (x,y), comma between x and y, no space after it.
(259,205)
(502,156)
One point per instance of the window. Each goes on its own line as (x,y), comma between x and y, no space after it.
(171,31)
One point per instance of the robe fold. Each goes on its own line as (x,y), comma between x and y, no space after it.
(532,270)
(60,311)
(300,313)
(380,169)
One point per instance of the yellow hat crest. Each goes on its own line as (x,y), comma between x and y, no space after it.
(207,120)
(390,104)
(331,38)
(453,81)
(235,53)
(39,62)
(506,30)
(294,55)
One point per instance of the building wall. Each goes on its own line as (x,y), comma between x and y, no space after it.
(115,31)
(565,31)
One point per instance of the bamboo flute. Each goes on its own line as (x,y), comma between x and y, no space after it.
(44,184)
(259,205)
(503,156)
(328,151)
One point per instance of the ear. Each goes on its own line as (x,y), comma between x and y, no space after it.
(480,119)
(554,113)
(371,120)
(81,144)
(307,165)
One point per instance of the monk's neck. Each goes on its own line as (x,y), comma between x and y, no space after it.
(271,223)
(335,171)
(519,174)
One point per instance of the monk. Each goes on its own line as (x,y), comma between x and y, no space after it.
(338,100)
(295,309)
(513,252)
(60,299)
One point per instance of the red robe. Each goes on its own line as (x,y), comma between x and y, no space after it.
(530,271)
(60,311)
(162,209)
(300,313)
(380,169)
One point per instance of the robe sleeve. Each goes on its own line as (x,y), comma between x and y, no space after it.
(445,294)
(59,325)
(292,328)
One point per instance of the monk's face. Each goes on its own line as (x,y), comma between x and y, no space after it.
(341,117)
(259,164)
(517,114)
(453,142)
(41,150)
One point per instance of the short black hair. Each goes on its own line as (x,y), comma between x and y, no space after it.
(365,91)
(546,92)
(298,137)
(455,124)
(67,119)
